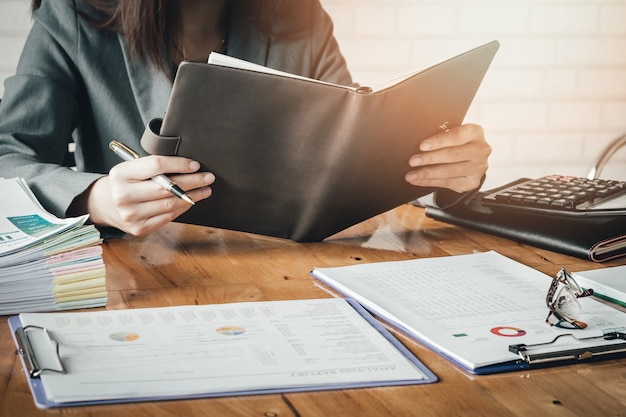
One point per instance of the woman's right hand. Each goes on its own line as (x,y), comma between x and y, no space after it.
(129,200)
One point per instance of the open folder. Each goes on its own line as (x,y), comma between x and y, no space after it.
(206,351)
(302,159)
(484,311)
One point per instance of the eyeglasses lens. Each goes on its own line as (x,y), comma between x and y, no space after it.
(564,307)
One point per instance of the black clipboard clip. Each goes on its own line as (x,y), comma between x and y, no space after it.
(588,352)
(35,365)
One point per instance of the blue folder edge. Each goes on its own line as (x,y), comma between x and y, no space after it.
(41,400)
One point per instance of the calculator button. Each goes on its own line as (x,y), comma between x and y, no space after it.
(556,193)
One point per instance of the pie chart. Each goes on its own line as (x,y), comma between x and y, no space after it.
(230,330)
(124,336)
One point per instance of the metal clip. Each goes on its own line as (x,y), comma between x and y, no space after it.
(33,364)
(586,352)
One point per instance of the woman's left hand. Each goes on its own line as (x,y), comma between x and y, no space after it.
(456,159)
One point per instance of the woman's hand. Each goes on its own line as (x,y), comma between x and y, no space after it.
(456,159)
(129,200)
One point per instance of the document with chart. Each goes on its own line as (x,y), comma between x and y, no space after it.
(483,311)
(211,350)
(24,222)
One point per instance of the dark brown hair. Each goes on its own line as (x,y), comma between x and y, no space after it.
(150,25)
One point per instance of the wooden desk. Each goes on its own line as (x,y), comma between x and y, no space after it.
(184,264)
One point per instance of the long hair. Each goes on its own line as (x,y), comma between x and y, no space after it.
(150,25)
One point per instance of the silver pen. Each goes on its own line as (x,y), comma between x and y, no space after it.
(128,154)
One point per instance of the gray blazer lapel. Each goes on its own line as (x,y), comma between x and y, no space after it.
(151,87)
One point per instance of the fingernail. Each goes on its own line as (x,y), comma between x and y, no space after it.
(415,161)
(194,165)
(426,146)
(209,178)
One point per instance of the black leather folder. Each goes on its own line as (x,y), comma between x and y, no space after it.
(594,238)
(301,159)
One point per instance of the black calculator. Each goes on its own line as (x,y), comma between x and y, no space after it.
(560,195)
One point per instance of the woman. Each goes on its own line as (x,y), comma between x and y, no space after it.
(96,70)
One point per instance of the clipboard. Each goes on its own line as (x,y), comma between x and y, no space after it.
(484,344)
(35,367)
(539,355)
(301,159)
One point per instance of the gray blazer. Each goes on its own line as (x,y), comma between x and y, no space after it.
(76,83)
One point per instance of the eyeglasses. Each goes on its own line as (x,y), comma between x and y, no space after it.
(562,300)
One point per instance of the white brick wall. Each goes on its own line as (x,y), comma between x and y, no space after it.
(556,93)
(554,97)
(14,25)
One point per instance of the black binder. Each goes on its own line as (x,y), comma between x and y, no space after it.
(301,159)
(596,239)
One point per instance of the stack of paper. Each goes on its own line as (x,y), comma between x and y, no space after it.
(46,263)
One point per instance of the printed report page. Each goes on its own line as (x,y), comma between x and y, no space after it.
(217,348)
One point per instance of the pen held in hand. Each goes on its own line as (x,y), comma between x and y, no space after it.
(128,154)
